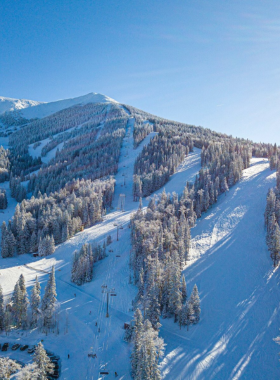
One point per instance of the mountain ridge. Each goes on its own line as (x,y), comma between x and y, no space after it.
(31,109)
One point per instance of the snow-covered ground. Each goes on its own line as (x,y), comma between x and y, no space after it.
(230,264)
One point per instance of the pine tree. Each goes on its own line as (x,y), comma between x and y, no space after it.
(23,302)
(8,367)
(2,310)
(50,246)
(33,242)
(28,372)
(141,286)
(189,314)
(175,295)
(16,309)
(43,362)
(42,247)
(49,301)
(195,302)
(137,332)
(4,245)
(150,350)
(153,309)
(35,303)
(275,244)
(184,289)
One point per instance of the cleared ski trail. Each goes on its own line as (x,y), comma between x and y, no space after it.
(238,287)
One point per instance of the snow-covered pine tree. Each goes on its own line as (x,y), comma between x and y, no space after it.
(141,287)
(184,289)
(153,309)
(188,314)
(24,302)
(42,247)
(150,350)
(33,242)
(275,244)
(195,302)
(43,362)
(136,336)
(35,303)
(49,301)
(8,367)
(2,310)
(28,372)
(175,294)
(16,307)
(4,243)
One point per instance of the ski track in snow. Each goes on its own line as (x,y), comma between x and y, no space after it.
(229,263)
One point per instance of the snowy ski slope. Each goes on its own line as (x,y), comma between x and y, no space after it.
(238,287)
(230,264)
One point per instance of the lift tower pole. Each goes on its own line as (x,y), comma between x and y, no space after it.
(110,292)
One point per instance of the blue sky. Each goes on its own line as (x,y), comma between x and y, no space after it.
(210,63)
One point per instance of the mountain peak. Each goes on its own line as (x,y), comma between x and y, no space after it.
(11,104)
(30,109)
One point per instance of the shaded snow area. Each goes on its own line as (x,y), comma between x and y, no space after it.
(88,307)
(238,287)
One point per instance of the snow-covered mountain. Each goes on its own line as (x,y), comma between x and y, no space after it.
(32,109)
(10,104)
(214,217)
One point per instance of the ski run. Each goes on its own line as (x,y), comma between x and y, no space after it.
(229,263)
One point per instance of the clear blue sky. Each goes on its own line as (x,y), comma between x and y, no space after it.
(211,63)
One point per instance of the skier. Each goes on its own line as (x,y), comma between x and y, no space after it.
(89,312)
(68,356)
(95,323)
(116,374)
(98,329)
(74,294)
